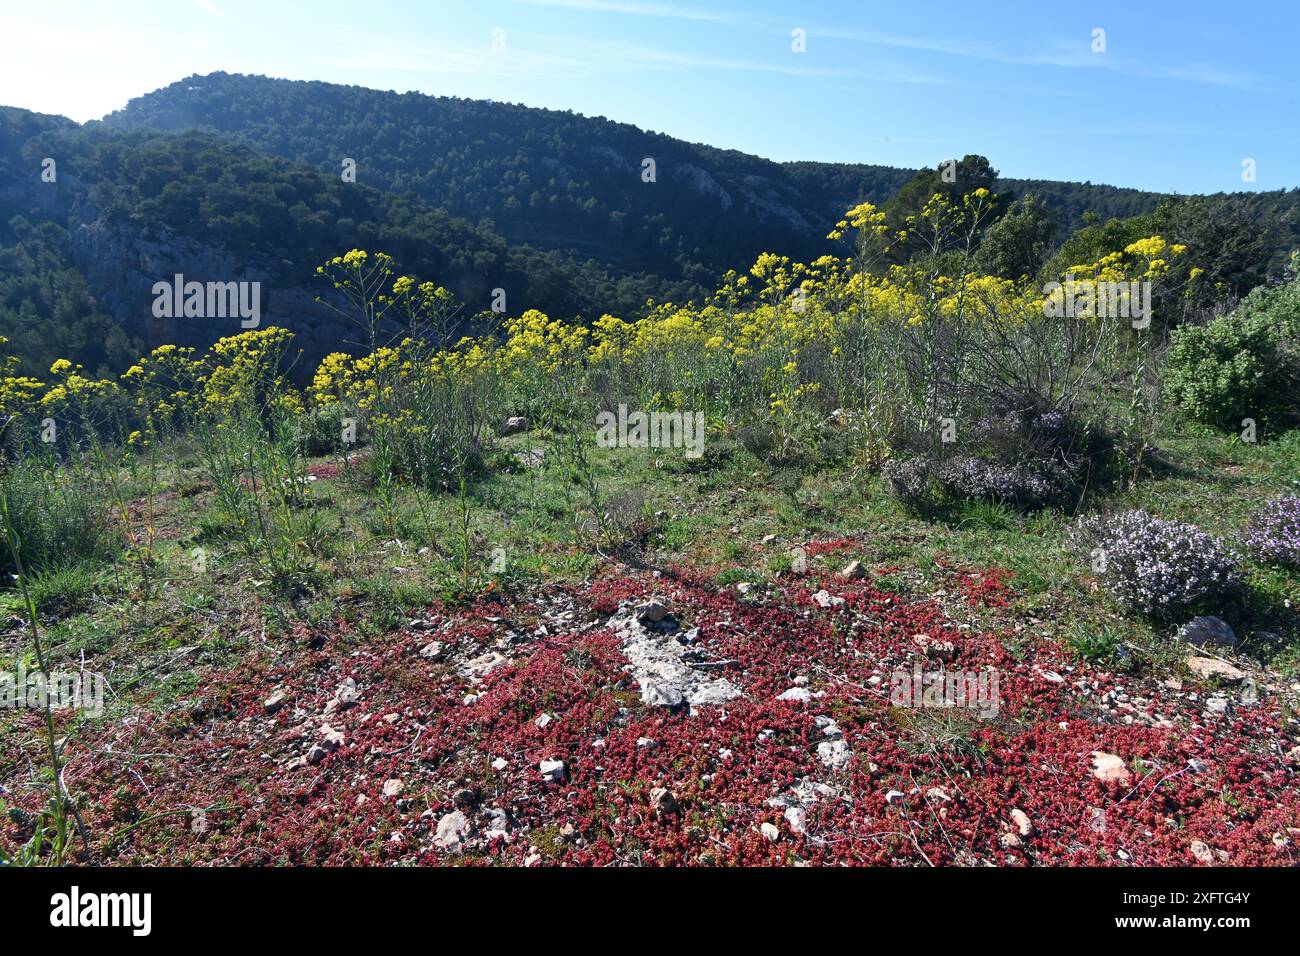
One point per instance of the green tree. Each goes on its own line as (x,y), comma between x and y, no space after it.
(1019,243)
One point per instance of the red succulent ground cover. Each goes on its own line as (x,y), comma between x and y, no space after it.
(460,728)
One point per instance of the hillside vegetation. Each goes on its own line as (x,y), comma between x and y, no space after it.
(226,177)
(446,601)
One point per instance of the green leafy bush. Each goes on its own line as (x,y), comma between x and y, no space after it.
(60,519)
(1233,368)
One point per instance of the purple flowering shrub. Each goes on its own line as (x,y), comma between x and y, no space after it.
(909,480)
(1273,533)
(1022,459)
(1154,566)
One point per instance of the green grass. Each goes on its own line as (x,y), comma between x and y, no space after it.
(375,570)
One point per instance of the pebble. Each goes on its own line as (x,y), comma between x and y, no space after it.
(852,571)
(433,651)
(662,799)
(1214,631)
(330,741)
(1207,667)
(1023,824)
(554,771)
(651,612)
(453,831)
(834,754)
(1109,768)
(346,694)
(801,694)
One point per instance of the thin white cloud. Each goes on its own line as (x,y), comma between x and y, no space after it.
(608,55)
(633,8)
(568,56)
(1064,55)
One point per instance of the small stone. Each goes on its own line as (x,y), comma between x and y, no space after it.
(938,795)
(498,823)
(346,694)
(500,763)
(662,799)
(1023,824)
(651,612)
(464,798)
(894,797)
(852,571)
(743,588)
(770,831)
(934,647)
(801,694)
(1202,852)
(1207,667)
(656,694)
(768,538)
(542,721)
(452,833)
(514,425)
(828,726)
(480,666)
(434,651)
(834,754)
(273,703)
(1214,631)
(1218,704)
(392,787)
(1109,768)
(825,599)
(1010,841)
(330,741)
(645,743)
(554,771)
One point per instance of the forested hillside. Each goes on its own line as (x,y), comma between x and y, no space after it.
(79,254)
(562,180)
(227,176)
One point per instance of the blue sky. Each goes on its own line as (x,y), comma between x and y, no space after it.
(1180,97)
